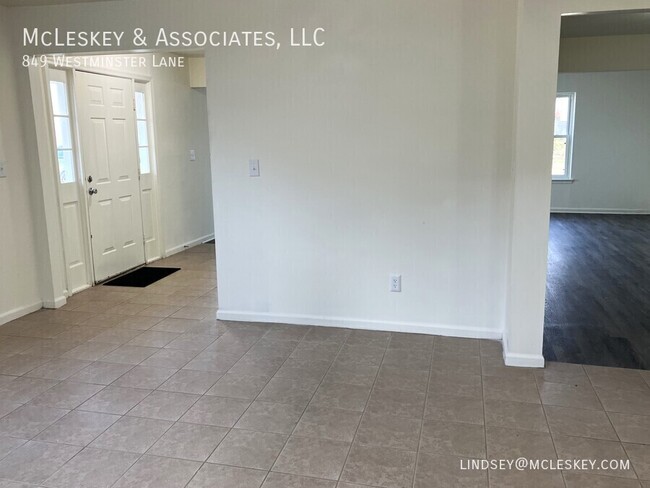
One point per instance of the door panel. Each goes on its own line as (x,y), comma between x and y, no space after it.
(108,142)
(147,217)
(72,221)
(98,151)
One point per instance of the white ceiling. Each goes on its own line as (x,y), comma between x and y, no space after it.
(25,3)
(607,24)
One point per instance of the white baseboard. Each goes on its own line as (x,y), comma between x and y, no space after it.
(187,245)
(413,327)
(16,313)
(80,289)
(57,303)
(521,360)
(612,211)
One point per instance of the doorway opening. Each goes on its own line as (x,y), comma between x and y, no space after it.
(598,279)
(124,199)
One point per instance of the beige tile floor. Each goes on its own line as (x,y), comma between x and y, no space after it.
(132,387)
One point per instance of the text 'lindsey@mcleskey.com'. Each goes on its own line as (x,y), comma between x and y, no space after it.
(523,464)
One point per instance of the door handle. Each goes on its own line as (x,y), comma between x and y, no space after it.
(92,191)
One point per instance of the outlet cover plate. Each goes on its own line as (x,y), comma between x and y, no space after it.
(395,284)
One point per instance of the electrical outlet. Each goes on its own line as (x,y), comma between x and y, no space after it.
(192,155)
(3,165)
(395,283)
(253,167)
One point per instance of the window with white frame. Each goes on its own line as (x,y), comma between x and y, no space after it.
(62,131)
(143,132)
(563,136)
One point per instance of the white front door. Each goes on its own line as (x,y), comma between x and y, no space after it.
(110,162)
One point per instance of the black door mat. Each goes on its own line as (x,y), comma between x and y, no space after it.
(141,277)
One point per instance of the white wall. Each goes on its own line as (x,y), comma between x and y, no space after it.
(611,149)
(380,153)
(185,186)
(19,285)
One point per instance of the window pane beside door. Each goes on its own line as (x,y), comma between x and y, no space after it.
(66,165)
(59,98)
(145,165)
(140,107)
(143,138)
(143,132)
(62,132)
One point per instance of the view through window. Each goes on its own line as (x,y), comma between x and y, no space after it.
(562,143)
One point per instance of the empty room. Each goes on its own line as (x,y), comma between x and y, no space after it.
(342,244)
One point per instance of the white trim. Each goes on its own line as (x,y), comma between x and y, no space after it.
(186,245)
(16,313)
(55,279)
(116,73)
(57,303)
(80,289)
(150,93)
(521,360)
(352,323)
(98,70)
(613,211)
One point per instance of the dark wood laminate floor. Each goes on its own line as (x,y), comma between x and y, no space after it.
(598,290)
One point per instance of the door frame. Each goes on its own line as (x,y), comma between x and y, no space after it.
(46,148)
(535,89)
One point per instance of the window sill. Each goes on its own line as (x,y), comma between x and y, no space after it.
(563,180)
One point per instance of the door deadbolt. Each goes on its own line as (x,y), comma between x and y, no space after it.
(90,179)
(92,191)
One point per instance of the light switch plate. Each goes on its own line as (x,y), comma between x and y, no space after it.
(192,155)
(253,167)
(3,165)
